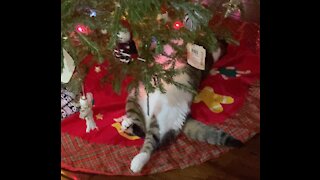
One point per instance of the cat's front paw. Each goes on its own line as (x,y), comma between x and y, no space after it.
(139,161)
(126,123)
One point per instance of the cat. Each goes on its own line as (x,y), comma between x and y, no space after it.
(169,113)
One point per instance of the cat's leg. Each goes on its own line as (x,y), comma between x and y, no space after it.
(151,143)
(134,117)
(141,159)
(168,137)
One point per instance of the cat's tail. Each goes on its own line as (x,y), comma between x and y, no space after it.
(201,132)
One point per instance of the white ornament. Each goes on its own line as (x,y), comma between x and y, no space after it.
(68,67)
(86,112)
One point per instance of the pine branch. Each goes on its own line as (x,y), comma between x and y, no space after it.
(92,45)
(185,87)
(114,28)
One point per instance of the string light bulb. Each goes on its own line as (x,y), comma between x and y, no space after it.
(177,25)
(83,29)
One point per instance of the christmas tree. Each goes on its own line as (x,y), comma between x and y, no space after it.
(95,26)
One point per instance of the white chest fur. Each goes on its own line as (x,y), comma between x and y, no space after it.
(170,109)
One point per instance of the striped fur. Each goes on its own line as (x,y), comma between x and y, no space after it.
(201,132)
(168,115)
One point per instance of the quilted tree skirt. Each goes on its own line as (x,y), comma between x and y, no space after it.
(106,151)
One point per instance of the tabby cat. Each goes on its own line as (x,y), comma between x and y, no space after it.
(168,114)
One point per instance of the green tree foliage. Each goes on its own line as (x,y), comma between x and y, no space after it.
(100,39)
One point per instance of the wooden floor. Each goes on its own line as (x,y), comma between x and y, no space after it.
(238,164)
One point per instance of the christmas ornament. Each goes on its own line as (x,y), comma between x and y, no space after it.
(192,22)
(154,39)
(178,42)
(86,103)
(85,9)
(68,67)
(126,49)
(154,42)
(177,25)
(168,50)
(92,13)
(196,56)
(232,7)
(188,23)
(68,105)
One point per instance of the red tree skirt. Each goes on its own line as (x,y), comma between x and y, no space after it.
(80,155)
(105,151)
